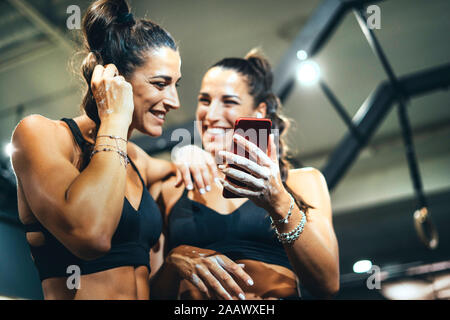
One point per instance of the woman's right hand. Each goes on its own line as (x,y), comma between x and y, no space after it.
(113,94)
(194,163)
(209,271)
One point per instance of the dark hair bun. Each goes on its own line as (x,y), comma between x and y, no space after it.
(261,65)
(100,18)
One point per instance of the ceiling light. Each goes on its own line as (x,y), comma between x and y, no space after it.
(308,72)
(302,55)
(362,266)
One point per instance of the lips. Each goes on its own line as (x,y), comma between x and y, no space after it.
(159,114)
(215,131)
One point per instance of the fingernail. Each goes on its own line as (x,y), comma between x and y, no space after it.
(190,187)
(241,296)
(241,265)
(202,191)
(221,153)
(221,166)
(208,188)
(250,282)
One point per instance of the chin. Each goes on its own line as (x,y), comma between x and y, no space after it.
(214,148)
(153,131)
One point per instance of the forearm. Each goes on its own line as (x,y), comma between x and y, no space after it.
(95,197)
(313,255)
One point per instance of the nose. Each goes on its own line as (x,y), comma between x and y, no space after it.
(171,99)
(214,112)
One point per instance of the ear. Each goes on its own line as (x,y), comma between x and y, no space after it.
(261,108)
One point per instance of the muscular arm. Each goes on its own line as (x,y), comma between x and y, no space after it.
(81,210)
(314,255)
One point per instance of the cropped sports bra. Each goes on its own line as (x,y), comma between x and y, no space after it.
(136,233)
(243,234)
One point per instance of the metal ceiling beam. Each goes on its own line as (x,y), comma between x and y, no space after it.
(312,37)
(43,24)
(372,112)
(26,57)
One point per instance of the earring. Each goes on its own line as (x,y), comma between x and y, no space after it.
(259,115)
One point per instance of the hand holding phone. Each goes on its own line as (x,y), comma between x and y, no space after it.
(255,130)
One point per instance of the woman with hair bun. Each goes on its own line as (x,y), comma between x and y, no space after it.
(83,194)
(259,246)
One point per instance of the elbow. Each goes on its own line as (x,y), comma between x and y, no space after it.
(97,247)
(92,245)
(326,284)
(330,287)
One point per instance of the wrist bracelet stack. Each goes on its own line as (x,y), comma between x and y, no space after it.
(110,148)
(285,219)
(291,236)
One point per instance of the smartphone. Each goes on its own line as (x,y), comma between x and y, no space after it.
(255,130)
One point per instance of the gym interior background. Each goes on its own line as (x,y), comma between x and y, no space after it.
(359,94)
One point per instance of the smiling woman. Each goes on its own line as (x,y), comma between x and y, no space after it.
(277,233)
(84,208)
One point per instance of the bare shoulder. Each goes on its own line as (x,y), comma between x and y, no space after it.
(307,174)
(310,184)
(139,157)
(36,131)
(33,124)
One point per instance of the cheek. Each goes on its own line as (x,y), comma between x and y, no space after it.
(201,113)
(144,98)
(231,115)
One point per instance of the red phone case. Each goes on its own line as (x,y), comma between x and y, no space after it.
(255,130)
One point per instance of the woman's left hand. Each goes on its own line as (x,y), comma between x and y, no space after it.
(263,180)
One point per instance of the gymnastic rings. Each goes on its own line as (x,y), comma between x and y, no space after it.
(425,228)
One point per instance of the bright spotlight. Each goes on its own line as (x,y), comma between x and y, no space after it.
(302,55)
(308,72)
(362,266)
(9,149)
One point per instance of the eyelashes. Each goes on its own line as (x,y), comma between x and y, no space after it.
(162,85)
(227,102)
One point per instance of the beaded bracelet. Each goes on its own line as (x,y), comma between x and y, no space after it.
(285,219)
(112,137)
(115,138)
(120,152)
(293,235)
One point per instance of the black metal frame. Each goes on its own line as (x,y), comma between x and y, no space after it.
(373,111)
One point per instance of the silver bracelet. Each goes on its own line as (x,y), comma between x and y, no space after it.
(293,235)
(285,219)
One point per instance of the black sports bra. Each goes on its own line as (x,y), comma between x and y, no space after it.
(243,234)
(136,233)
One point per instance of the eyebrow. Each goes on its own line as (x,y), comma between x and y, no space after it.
(231,96)
(166,78)
(225,96)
